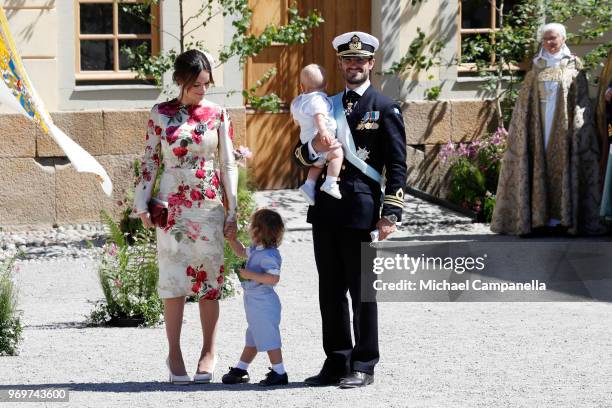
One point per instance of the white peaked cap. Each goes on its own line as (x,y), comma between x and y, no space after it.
(355,43)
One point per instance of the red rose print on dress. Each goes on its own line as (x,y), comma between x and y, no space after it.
(196,287)
(200,173)
(168,109)
(197,138)
(210,193)
(195,195)
(201,113)
(191,271)
(212,294)
(201,276)
(215,180)
(179,151)
(172,134)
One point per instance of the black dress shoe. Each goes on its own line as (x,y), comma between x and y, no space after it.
(273,378)
(235,376)
(356,379)
(325,377)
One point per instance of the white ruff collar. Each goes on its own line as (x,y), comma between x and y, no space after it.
(545,59)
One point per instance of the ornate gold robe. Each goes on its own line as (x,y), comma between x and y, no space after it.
(560,181)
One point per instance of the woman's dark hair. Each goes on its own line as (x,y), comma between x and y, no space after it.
(267,227)
(188,66)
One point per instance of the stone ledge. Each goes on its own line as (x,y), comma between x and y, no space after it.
(27,192)
(79,196)
(85,128)
(18,136)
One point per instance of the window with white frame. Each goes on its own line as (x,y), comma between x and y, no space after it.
(103,29)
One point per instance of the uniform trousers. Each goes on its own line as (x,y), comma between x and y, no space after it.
(338,258)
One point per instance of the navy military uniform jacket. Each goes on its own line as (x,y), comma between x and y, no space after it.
(382,145)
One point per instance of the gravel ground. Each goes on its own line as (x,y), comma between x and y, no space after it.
(432,354)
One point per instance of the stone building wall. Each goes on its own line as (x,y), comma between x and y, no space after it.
(38,186)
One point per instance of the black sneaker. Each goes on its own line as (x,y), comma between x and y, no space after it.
(235,376)
(273,378)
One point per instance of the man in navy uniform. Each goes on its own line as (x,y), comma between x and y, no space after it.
(371,132)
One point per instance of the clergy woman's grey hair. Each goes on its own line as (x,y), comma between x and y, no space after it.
(556,27)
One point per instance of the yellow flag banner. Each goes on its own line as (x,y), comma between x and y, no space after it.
(17,93)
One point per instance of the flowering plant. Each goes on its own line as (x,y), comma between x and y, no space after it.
(10,322)
(474,172)
(242,153)
(128,276)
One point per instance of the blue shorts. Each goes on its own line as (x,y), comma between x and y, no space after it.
(263,312)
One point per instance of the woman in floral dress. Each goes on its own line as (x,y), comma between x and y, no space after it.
(192,137)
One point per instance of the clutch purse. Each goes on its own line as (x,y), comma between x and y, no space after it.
(158,211)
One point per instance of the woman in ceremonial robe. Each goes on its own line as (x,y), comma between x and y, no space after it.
(550,174)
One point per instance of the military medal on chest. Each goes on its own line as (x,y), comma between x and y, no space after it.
(369,121)
(349,108)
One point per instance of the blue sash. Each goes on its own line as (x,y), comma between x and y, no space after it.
(343,133)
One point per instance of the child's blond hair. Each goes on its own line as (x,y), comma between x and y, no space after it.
(313,77)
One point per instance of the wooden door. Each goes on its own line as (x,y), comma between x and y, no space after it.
(271,136)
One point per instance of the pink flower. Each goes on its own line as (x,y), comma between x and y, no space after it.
(201,113)
(447,152)
(158,130)
(187,203)
(245,152)
(215,180)
(112,249)
(220,280)
(210,193)
(200,173)
(150,123)
(197,138)
(117,283)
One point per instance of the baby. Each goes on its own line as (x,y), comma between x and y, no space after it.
(313,111)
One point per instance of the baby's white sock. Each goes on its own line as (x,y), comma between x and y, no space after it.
(279,368)
(330,179)
(309,183)
(242,365)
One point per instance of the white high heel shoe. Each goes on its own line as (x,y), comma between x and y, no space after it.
(206,377)
(177,379)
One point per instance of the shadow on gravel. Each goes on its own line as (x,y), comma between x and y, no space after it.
(59,325)
(131,387)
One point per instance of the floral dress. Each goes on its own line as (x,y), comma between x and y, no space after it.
(194,143)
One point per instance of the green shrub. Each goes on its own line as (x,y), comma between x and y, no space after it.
(474,173)
(128,275)
(246,206)
(10,323)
